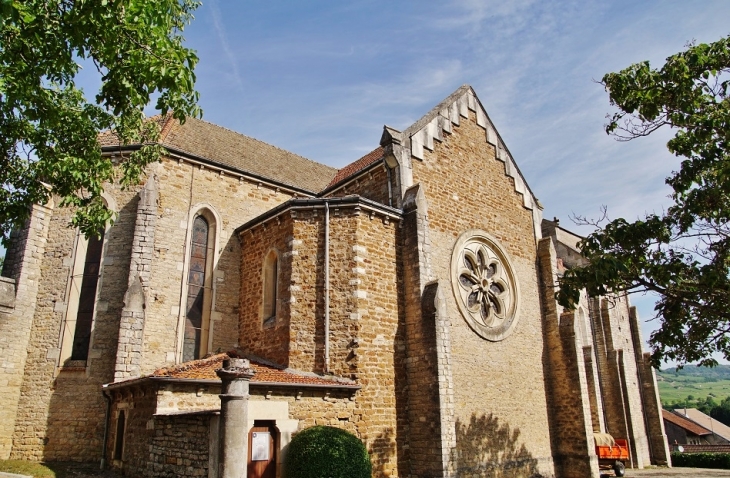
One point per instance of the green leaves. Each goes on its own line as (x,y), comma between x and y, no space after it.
(48,128)
(682,255)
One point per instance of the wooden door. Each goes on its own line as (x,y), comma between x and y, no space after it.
(262,446)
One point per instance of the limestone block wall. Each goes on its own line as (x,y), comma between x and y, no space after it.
(61,408)
(273,340)
(619,377)
(569,395)
(467,188)
(185,189)
(372,184)
(364,335)
(22,271)
(138,405)
(179,447)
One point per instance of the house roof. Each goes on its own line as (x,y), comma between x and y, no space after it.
(685,423)
(357,166)
(222,146)
(705,421)
(264,373)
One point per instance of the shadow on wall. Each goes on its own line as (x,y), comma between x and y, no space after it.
(382,451)
(487,449)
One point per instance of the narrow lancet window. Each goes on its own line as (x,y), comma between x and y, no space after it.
(196,290)
(271,272)
(87,298)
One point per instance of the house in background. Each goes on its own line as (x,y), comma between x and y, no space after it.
(720,433)
(683,431)
(407,298)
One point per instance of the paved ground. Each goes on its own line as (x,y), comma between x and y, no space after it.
(672,472)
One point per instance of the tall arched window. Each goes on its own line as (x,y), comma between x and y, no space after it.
(270,286)
(198,295)
(81,298)
(87,298)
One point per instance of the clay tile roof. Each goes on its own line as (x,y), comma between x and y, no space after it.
(357,166)
(228,148)
(685,423)
(204,369)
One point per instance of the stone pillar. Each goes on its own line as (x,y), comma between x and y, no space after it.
(17,310)
(131,326)
(431,423)
(569,408)
(233,428)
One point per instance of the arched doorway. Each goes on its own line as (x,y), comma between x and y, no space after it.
(263,440)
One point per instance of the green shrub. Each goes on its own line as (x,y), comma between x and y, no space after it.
(720,461)
(326,452)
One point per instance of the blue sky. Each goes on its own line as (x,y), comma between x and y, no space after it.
(321,78)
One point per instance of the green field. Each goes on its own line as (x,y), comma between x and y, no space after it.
(695,381)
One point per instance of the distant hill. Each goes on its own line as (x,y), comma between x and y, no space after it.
(719,372)
(697,382)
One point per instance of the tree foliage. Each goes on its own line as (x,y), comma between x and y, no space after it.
(682,254)
(48,127)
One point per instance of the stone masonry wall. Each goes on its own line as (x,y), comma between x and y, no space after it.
(131,326)
(567,384)
(139,406)
(272,341)
(61,412)
(371,185)
(498,386)
(23,268)
(619,378)
(184,189)
(179,447)
(364,329)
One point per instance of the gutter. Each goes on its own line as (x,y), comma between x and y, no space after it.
(107,416)
(257,385)
(319,203)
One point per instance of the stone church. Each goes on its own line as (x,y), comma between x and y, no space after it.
(407,298)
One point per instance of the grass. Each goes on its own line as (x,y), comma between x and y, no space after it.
(48,470)
(695,381)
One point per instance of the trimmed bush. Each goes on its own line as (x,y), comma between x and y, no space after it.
(720,461)
(326,452)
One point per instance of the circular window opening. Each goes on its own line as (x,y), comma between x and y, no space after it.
(484,285)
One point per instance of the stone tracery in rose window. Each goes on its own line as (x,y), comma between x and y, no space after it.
(484,285)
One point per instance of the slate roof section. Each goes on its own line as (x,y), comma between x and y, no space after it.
(356,166)
(265,373)
(224,147)
(685,423)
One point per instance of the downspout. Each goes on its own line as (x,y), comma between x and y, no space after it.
(108,400)
(390,186)
(326,287)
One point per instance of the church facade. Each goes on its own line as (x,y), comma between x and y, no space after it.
(407,297)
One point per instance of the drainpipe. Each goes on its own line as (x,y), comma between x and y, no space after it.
(108,400)
(390,186)
(326,287)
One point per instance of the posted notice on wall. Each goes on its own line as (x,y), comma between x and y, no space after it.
(260,446)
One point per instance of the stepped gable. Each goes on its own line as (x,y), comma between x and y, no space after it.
(449,112)
(227,148)
(356,166)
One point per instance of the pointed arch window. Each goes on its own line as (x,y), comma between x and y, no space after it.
(87,297)
(199,283)
(81,301)
(270,288)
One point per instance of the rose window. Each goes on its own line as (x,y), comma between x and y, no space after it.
(484,285)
